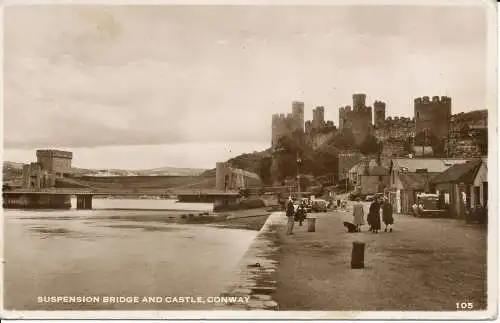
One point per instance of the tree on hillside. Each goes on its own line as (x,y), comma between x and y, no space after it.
(265,170)
(370,146)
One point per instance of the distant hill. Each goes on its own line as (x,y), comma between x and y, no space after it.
(12,171)
(163,171)
(476,118)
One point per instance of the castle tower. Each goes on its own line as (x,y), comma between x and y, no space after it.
(280,127)
(298,116)
(341,118)
(344,117)
(358,101)
(379,113)
(433,115)
(318,117)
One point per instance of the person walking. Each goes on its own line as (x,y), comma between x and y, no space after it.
(290,213)
(300,215)
(387,215)
(374,216)
(358,214)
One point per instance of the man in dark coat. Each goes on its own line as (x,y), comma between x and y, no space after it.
(387,215)
(290,214)
(374,216)
(300,215)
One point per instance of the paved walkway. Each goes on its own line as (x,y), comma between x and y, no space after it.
(425,264)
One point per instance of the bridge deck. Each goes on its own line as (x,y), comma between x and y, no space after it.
(76,191)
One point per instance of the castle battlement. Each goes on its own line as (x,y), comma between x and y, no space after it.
(53,153)
(435,99)
(379,104)
(345,109)
(398,121)
(360,109)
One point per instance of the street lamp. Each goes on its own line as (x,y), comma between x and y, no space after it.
(299,161)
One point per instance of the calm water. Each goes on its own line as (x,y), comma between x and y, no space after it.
(91,253)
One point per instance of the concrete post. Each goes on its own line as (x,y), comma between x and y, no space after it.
(311,224)
(358,255)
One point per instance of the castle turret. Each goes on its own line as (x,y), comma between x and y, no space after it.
(318,117)
(298,116)
(358,101)
(379,111)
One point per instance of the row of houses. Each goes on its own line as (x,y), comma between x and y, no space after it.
(462,183)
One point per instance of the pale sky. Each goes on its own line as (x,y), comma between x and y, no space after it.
(145,87)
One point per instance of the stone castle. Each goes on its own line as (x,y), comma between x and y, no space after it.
(432,122)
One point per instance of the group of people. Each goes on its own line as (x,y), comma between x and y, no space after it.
(373,217)
(293,215)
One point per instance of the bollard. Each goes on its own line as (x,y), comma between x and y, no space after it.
(358,255)
(311,224)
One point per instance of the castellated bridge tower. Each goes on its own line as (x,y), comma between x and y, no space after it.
(433,115)
(379,113)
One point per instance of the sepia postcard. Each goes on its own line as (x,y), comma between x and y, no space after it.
(249,160)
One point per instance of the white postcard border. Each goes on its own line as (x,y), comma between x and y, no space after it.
(493,225)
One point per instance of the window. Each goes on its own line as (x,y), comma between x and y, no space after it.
(477,196)
(418,115)
(467,196)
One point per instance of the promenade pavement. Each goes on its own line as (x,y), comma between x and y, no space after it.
(424,264)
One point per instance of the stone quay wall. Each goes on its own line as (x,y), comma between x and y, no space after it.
(255,274)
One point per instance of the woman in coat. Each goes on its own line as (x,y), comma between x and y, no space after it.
(387,215)
(290,214)
(374,216)
(300,215)
(358,214)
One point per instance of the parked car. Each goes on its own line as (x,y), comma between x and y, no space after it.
(319,205)
(370,198)
(428,205)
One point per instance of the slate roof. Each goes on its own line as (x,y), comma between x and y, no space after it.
(416,181)
(370,168)
(378,170)
(461,173)
(433,165)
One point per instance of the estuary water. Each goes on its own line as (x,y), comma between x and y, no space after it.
(101,253)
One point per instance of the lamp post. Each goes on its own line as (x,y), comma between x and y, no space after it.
(299,161)
(347,181)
